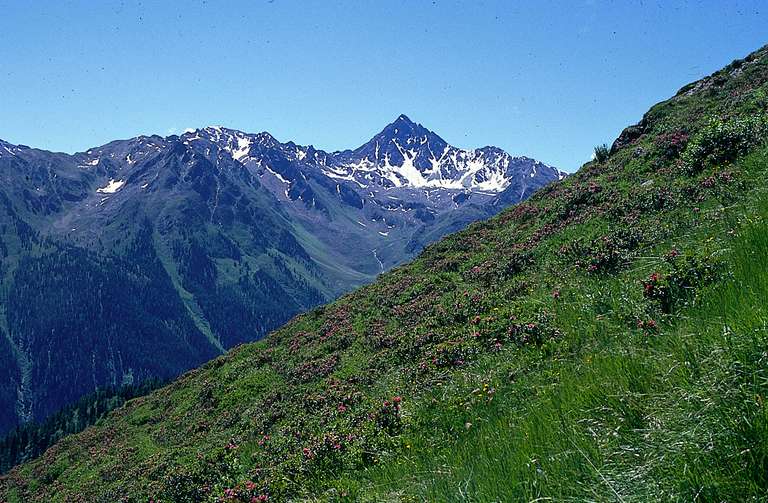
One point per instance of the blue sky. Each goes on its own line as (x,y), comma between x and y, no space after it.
(544,79)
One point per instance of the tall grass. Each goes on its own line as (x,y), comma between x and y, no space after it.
(612,415)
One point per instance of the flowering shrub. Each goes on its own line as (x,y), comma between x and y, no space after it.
(315,369)
(648,326)
(573,200)
(606,253)
(462,307)
(453,353)
(522,212)
(655,199)
(533,332)
(717,180)
(671,144)
(723,140)
(388,416)
(688,272)
(379,336)
(499,268)
(213,474)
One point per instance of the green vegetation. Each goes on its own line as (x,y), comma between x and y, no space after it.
(674,410)
(602,152)
(603,341)
(29,441)
(62,302)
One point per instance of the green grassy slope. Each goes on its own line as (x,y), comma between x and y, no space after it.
(605,340)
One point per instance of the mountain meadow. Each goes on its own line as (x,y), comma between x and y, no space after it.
(604,340)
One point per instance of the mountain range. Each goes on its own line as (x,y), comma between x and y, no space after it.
(145,257)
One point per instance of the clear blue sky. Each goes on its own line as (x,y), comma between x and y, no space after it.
(544,79)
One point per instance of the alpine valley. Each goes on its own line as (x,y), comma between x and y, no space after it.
(146,257)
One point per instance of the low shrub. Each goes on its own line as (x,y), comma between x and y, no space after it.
(722,140)
(602,152)
(687,274)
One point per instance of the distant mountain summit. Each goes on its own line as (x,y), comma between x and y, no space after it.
(406,154)
(399,143)
(235,232)
(403,155)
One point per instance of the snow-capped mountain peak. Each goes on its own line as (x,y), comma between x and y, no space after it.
(406,154)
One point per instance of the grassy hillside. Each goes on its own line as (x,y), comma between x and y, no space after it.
(605,340)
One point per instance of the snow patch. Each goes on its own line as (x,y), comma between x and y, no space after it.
(277,175)
(112,187)
(94,162)
(243,147)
